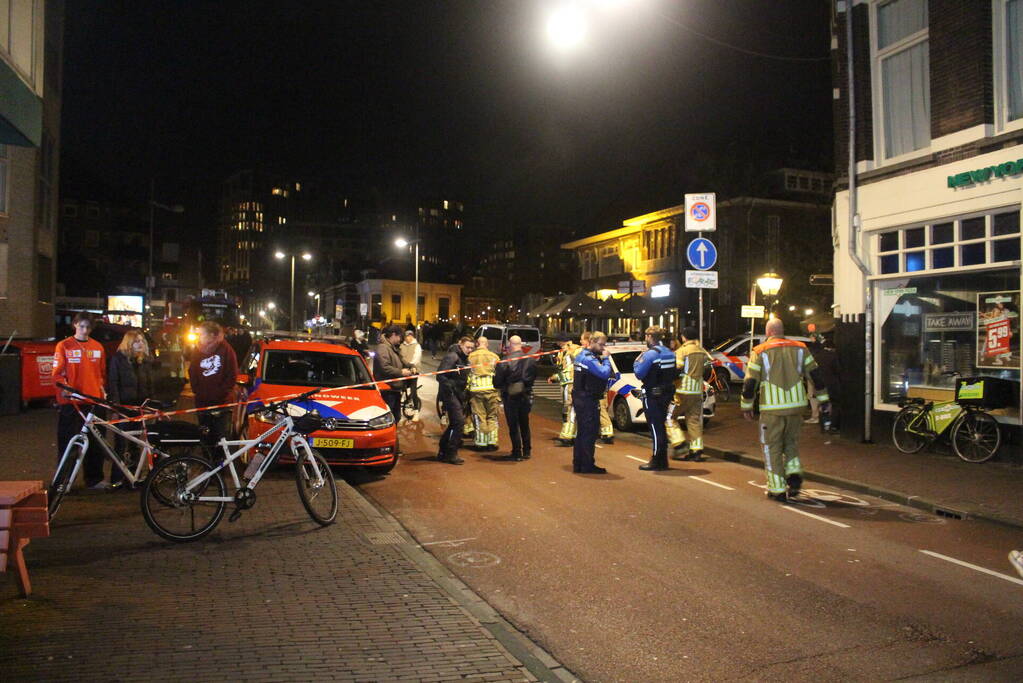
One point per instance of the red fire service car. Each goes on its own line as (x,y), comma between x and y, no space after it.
(358,429)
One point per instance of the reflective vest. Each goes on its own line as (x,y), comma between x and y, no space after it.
(565,361)
(481,375)
(692,360)
(780,365)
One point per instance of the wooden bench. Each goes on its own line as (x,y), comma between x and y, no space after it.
(23,516)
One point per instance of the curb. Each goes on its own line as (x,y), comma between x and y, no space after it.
(931,506)
(529,655)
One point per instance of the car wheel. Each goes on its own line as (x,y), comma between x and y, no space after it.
(622,415)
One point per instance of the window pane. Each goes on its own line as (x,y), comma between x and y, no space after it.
(898,19)
(971,254)
(942,258)
(1014,58)
(973,228)
(1007,250)
(890,241)
(941,234)
(1006,223)
(906,97)
(914,238)
(914,261)
(890,263)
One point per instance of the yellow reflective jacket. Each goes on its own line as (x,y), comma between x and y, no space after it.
(691,359)
(777,368)
(565,362)
(482,363)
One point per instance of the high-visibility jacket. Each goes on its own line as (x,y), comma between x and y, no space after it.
(777,368)
(482,363)
(691,360)
(565,362)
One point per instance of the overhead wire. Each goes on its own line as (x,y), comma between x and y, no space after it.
(755,53)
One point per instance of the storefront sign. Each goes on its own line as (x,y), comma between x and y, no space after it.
(899,292)
(998,330)
(660,291)
(948,322)
(981,175)
(752,312)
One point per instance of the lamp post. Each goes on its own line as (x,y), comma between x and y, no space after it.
(306,256)
(401,243)
(153,206)
(769,284)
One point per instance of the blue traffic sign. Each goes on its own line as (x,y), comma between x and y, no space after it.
(702,254)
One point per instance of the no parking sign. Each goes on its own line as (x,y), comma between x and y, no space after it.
(701,212)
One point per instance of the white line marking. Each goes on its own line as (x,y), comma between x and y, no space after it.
(457,541)
(635,458)
(972,566)
(810,514)
(713,483)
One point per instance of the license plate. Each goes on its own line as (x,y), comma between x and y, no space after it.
(324,442)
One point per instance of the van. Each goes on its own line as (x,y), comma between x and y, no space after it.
(498,335)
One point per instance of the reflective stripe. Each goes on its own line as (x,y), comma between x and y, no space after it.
(823,397)
(689,385)
(752,366)
(481,382)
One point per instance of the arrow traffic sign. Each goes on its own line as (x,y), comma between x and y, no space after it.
(702,254)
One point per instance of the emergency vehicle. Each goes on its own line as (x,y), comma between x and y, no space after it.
(498,336)
(733,354)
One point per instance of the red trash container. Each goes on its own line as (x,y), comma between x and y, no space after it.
(36,369)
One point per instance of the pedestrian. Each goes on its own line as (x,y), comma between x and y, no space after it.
(777,369)
(657,370)
(213,373)
(412,354)
(691,360)
(831,374)
(359,343)
(484,398)
(79,362)
(591,372)
(129,383)
(452,387)
(607,428)
(514,379)
(564,361)
(389,366)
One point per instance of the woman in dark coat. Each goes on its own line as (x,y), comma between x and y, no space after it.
(129,383)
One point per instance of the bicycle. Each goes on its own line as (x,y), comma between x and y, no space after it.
(411,404)
(180,487)
(140,453)
(974,434)
(719,381)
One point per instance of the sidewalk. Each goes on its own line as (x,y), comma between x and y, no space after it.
(933,479)
(270,597)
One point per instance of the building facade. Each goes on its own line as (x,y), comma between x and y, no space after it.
(391,301)
(31,55)
(927,239)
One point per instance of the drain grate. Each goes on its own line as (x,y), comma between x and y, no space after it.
(385,538)
(951,514)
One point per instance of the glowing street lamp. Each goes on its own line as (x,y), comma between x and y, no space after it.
(280,255)
(769,283)
(401,243)
(566,27)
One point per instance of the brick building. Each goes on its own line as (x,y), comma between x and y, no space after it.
(927,238)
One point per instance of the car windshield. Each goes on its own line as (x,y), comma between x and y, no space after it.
(624,360)
(528,335)
(314,369)
(492,333)
(728,342)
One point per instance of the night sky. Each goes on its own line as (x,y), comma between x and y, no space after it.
(445,99)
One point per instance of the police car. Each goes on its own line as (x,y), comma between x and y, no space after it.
(733,354)
(625,409)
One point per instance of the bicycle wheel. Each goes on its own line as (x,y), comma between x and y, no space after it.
(976,437)
(408,406)
(905,440)
(63,478)
(170,512)
(723,388)
(316,487)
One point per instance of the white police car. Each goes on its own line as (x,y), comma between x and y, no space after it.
(625,409)
(733,354)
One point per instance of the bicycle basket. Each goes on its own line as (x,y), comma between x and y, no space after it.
(308,423)
(985,392)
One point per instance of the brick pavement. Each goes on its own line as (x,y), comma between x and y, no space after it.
(270,597)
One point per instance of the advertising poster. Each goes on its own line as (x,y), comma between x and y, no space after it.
(998,330)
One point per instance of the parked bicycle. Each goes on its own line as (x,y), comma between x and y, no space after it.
(185,498)
(411,404)
(975,435)
(719,381)
(145,441)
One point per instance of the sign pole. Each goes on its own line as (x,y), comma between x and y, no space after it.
(701,317)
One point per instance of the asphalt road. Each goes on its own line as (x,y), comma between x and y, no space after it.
(692,574)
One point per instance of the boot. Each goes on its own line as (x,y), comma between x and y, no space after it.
(694,456)
(795,483)
(656,464)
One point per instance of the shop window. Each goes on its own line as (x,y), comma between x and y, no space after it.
(972,229)
(376,307)
(396,307)
(972,254)
(889,241)
(943,258)
(1006,250)
(914,238)
(915,261)
(901,250)
(942,234)
(1005,224)
(890,263)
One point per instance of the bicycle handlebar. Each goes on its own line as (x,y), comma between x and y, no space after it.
(102,401)
(276,405)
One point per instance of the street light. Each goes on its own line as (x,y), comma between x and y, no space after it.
(401,243)
(306,256)
(769,284)
(153,206)
(566,27)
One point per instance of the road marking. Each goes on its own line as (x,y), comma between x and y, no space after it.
(453,543)
(635,458)
(810,514)
(713,483)
(973,566)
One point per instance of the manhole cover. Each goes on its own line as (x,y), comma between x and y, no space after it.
(385,538)
(474,558)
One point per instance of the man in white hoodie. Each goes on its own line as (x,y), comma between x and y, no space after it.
(412,353)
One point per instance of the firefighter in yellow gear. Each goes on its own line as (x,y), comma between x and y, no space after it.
(692,360)
(564,362)
(484,399)
(777,369)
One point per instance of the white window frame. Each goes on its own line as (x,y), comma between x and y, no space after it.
(877,90)
(1000,74)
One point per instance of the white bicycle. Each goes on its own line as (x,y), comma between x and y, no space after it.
(185,498)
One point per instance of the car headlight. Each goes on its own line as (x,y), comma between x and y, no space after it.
(381,421)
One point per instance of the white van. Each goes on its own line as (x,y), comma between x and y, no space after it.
(498,335)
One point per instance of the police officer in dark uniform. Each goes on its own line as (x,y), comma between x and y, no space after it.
(657,369)
(592,369)
(451,393)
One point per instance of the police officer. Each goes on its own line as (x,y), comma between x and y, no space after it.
(483,397)
(451,391)
(691,360)
(777,368)
(592,369)
(564,361)
(607,429)
(656,369)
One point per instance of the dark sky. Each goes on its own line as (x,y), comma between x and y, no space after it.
(444,98)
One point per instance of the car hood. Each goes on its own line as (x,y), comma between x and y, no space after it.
(344,404)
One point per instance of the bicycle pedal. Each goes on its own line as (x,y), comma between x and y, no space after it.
(235,515)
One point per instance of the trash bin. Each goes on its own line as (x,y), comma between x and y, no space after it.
(36,369)
(10,383)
